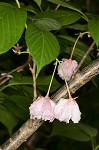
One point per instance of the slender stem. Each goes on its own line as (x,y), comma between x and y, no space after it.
(18,4)
(64,79)
(34,80)
(51,80)
(33,71)
(24,52)
(80,35)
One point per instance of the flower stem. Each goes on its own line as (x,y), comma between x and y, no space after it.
(64,79)
(80,35)
(18,4)
(51,80)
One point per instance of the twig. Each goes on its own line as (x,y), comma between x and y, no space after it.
(2,82)
(14,70)
(85,56)
(29,128)
(33,71)
(57,7)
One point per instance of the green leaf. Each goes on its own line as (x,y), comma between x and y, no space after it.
(93,27)
(43,83)
(62,16)
(18,81)
(79,132)
(43,46)
(12,23)
(78,27)
(18,105)
(8,119)
(38,2)
(67,5)
(47,24)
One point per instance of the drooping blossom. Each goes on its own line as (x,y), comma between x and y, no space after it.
(67,109)
(68,66)
(42,108)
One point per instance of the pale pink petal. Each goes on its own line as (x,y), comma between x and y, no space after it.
(68,66)
(42,108)
(67,109)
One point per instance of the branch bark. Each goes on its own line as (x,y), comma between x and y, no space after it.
(30,126)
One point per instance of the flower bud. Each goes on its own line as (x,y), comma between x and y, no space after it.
(68,66)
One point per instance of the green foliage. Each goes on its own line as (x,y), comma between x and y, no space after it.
(49,30)
(67,5)
(93,27)
(47,24)
(79,132)
(42,83)
(64,17)
(43,46)
(8,119)
(12,23)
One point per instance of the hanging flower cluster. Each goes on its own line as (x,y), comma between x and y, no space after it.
(66,109)
(45,109)
(68,67)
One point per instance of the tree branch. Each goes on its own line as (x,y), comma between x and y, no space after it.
(30,126)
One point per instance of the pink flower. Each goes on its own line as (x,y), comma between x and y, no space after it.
(68,66)
(67,109)
(42,108)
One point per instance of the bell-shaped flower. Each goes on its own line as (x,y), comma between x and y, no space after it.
(67,109)
(67,66)
(42,108)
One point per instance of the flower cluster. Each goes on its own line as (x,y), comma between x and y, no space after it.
(45,109)
(66,109)
(67,66)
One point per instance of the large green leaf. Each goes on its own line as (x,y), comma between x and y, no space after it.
(67,5)
(93,27)
(79,132)
(47,24)
(12,23)
(8,119)
(64,17)
(43,46)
